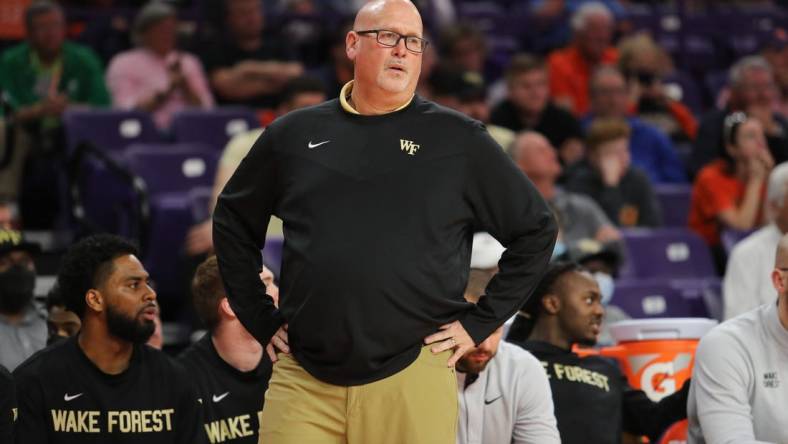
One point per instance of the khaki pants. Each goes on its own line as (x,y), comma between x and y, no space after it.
(418,405)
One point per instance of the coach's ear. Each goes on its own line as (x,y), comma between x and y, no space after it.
(225,310)
(94,300)
(352,42)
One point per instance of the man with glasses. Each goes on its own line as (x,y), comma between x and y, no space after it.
(754,91)
(741,369)
(379,192)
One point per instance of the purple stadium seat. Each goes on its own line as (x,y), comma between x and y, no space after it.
(674,199)
(650,300)
(213,128)
(167,168)
(104,195)
(109,130)
(672,253)
(171,174)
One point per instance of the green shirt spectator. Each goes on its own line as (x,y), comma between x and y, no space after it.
(44,75)
(26,79)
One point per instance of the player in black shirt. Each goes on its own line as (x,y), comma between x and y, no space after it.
(593,400)
(7,406)
(105,385)
(227,365)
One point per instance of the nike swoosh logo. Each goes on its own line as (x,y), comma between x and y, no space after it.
(220,397)
(315,145)
(486,402)
(68,397)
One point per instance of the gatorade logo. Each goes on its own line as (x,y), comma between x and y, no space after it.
(658,377)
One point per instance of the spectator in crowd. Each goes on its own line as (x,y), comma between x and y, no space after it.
(61,322)
(754,91)
(41,78)
(464,91)
(738,393)
(23,328)
(105,381)
(465,46)
(566,310)
(504,395)
(551,28)
(651,150)
(7,214)
(156,77)
(746,284)
(299,92)
(339,69)
(247,66)
(528,107)
(571,68)
(578,216)
(607,176)
(8,409)
(728,192)
(46,74)
(226,363)
(776,53)
(645,64)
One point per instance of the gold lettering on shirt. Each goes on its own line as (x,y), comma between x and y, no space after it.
(139,421)
(226,429)
(118,421)
(581,375)
(76,421)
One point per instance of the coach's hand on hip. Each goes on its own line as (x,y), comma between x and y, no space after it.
(452,336)
(278,342)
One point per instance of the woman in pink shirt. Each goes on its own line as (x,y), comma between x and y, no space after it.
(156,77)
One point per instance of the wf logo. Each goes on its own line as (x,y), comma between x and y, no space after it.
(408,146)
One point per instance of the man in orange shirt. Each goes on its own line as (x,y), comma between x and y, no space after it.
(571,67)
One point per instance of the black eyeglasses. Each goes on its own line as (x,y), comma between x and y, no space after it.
(391,39)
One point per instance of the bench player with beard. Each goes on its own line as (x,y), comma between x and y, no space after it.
(105,385)
(227,365)
(594,403)
(504,394)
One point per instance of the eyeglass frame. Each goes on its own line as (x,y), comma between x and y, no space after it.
(377,32)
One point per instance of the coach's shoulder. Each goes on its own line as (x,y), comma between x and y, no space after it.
(446,115)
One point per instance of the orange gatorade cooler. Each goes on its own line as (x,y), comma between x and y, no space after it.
(657,356)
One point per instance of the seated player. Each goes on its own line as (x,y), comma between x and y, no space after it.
(741,368)
(104,385)
(227,365)
(504,394)
(593,401)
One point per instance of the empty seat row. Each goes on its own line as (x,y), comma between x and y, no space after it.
(114,130)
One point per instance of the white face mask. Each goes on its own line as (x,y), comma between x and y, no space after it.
(606,286)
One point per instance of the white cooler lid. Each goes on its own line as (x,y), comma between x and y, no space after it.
(664,328)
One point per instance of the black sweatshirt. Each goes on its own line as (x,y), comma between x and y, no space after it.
(7,406)
(231,399)
(378,213)
(594,402)
(65,399)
